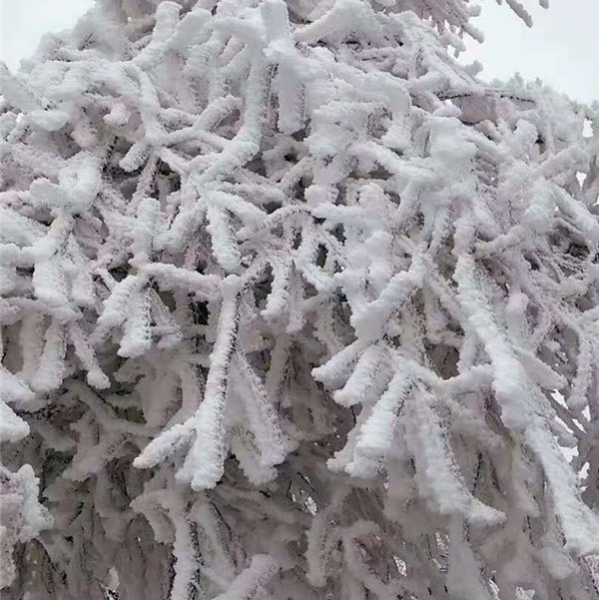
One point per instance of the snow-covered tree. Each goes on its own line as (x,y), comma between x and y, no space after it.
(294,307)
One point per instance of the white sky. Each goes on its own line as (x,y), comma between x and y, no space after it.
(562,48)
(22,23)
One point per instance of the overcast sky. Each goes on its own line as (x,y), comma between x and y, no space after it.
(562,48)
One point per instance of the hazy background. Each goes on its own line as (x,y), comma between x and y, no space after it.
(562,48)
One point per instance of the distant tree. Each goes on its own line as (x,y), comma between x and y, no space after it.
(294,307)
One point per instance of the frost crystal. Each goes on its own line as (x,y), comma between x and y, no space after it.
(294,306)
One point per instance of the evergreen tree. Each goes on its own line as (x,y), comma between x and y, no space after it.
(294,306)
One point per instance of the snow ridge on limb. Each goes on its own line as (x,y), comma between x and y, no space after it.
(289,291)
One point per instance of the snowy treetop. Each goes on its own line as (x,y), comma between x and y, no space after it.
(287,295)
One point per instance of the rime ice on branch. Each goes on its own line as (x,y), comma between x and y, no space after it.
(287,295)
